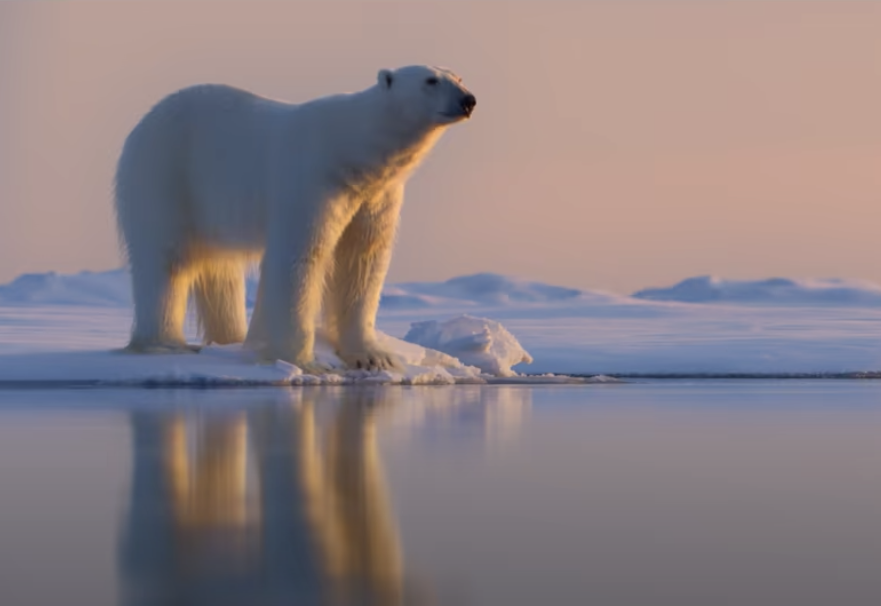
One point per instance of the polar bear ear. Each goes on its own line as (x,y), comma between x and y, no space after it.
(385,78)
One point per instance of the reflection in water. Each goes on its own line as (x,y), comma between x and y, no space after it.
(281,503)
(491,416)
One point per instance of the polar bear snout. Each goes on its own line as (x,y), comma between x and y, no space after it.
(460,109)
(468,103)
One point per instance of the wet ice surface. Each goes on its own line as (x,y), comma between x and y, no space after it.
(664,492)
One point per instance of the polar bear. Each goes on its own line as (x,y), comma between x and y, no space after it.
(214,178)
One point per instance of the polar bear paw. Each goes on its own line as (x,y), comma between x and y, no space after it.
(315,367)
(309,366)
(370,358)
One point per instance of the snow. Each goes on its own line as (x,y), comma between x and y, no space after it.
(473,328)
(683,339)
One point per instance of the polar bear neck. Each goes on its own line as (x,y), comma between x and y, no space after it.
(392,149)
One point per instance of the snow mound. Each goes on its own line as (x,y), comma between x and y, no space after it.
(774,291)
(97,289)
(483,288)
(478,342)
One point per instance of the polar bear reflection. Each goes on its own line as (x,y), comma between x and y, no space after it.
(318,528)
(285,503)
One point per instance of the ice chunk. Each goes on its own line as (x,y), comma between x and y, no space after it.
(478,342)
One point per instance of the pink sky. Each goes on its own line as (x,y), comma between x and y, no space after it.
(615,145)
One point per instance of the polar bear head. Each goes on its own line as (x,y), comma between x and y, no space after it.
(426,96)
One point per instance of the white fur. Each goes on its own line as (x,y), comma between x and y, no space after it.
(214,177)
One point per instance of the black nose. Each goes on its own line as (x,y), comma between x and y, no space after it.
(468,103)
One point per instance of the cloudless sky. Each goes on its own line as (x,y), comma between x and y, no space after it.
(615,145)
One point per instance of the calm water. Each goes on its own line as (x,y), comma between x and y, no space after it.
(703,493)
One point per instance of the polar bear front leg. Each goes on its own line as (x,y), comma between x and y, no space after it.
(362,258)
(284,325)
(299,248)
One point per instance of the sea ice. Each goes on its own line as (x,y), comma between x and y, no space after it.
(702,326)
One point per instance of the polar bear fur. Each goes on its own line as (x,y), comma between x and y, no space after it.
(214,178)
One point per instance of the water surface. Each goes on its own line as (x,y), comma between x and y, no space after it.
(656,493)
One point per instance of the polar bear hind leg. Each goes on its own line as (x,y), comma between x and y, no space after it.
(219,294)
(151,216)
(160,293)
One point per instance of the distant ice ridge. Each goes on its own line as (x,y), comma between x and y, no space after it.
(112,289)
(483,290)
(97,289)
(774,291)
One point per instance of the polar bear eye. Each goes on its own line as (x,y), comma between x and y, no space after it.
(431,81)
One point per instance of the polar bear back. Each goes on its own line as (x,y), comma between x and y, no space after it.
(208,153)
(202,153)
